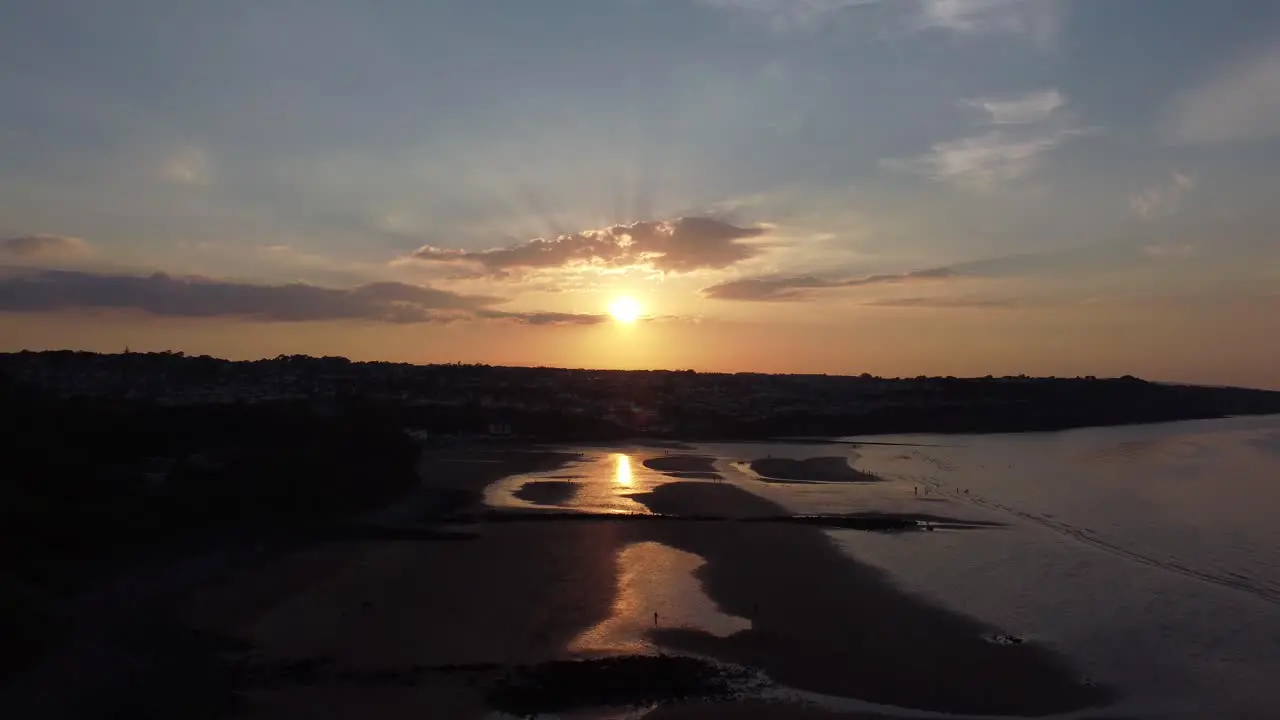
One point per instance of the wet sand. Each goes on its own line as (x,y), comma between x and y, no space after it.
(819,469)
(548,492)
(824,623)
(689,467)
(518,594)
(703,499)
(522,592)
(454,479)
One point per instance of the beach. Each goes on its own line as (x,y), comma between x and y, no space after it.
(818,469)
(548,492)
(520,593)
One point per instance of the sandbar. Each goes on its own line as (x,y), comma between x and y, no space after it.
(684,465)
(548,492)
(819,469)
(825,623)
(519,593)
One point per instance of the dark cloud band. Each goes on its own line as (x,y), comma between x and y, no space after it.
(781,288)
(200,297)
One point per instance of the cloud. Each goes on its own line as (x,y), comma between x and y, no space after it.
(1169,251)
(1163,199)
(188,165)
(44,248)
(1030,108)
(200,297)
(1028,127)
(1240,104)
(984,161)
(941,303)
(1038,21)
(785,288)
(788,14)
(547,318)
(675,246)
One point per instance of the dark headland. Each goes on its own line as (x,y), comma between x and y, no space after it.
(592,405)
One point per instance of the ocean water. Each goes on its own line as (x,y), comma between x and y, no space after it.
(1148,555)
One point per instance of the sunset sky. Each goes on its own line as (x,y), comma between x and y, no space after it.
(899,187)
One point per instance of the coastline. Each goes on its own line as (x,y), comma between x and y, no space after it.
(823,622)
(831,469)
(519,593)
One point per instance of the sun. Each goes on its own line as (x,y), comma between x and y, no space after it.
(625,310)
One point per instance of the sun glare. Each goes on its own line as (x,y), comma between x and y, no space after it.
(622,469)
(625,310)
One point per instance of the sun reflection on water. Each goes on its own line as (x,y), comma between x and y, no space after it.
(622,469)
(657,589)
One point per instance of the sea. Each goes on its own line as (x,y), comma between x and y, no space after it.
(1148,555)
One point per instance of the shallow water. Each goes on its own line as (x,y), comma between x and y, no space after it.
(605,479)
(1150,555)
(656,588)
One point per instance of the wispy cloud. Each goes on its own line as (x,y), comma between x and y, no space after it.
(201,297)
(1242,103)
(545,318)
(1039,21)
(188,165)
(945,302)
(785,288)
(44,248)
(1027,127)
(676,246)
(1163,199)
(788,14)
(1169,251)
(1030,108)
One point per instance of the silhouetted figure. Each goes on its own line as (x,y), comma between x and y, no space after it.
(655,619)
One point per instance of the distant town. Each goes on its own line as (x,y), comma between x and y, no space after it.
(553,404)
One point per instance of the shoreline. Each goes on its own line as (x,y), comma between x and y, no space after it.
(520,592)
(827,469)
(825,623)
(550,493)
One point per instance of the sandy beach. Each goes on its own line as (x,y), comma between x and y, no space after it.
(425,620)
(823,623)
(819,469)
(519,593)
(678,465)
(548,492)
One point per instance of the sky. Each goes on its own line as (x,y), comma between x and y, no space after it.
(900,187)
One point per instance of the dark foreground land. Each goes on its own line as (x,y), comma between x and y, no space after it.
(306,558)
(428,623)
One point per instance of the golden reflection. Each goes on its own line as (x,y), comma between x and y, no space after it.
(658,588)
(622,469)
